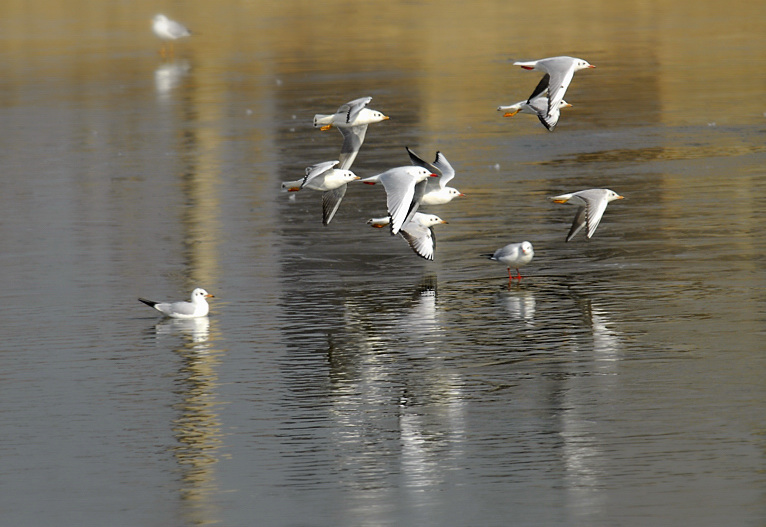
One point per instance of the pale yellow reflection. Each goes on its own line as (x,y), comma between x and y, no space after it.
(197,427)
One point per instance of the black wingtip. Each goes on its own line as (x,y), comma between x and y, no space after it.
(150,303)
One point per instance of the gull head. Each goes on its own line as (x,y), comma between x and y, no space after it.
(200,294)
(611,195)
(526,248)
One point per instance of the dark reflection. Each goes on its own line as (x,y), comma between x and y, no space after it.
(197,427)
(656,153)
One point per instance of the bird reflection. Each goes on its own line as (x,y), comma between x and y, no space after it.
(169,75)
(393,391)
(584,459)
(197,329)
(196,426)
(519,304)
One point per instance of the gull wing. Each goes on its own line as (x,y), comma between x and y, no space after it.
(559,82)
(331,201)
(446,170)
(314,171)
(353,137)
(352,108)
(579,222)
(541,87)
(422,240)
(400,199)
(549,118)
(594,208)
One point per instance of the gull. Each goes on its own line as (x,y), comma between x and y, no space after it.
(327,179)
(351,120)
(558,74)
(352,113)
(168,30)
(418,232)
(437,191)
(592,204)
(530,106)
(513,255)
(405,187)
(196,308)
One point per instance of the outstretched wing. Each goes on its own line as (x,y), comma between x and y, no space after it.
(331,201)
(353,137)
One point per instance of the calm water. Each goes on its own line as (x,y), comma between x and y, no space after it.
(340,380)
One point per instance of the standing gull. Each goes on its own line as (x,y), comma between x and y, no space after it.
(168,30)
(405,187)
(558,74)
(513,255)
(331,181)
(196,308)
(592,204)
(351,120)
(437,191)
(418,232)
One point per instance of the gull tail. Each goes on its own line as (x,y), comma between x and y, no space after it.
(321,120)
(150,303)
(292,186)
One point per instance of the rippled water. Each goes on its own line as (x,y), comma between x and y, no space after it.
(340,379)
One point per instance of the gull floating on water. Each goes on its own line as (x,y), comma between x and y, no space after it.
(327,179)
(168,30)
(437,191)
(196,308)
(592,204)
(513,255)
(418,232)
(405,187)
(559,72)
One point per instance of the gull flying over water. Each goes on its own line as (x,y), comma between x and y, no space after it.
(559,72)
(405,187)
(437,191)
(592,204)
(418,232)
(331,181)
(351,119)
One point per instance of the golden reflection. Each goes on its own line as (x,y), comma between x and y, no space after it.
(197,427)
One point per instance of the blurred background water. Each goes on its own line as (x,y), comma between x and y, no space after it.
(340,379)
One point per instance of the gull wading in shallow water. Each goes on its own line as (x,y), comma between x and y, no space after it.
(513,255)
(327,179)
(437,191)
(196,308)
(418,232)
(592,204)
(168,30)
(405,187)
(559,72)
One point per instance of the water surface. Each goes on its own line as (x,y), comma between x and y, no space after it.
(340,379)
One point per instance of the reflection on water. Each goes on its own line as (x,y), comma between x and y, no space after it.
(619,383)
(168,76)
(197,427)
